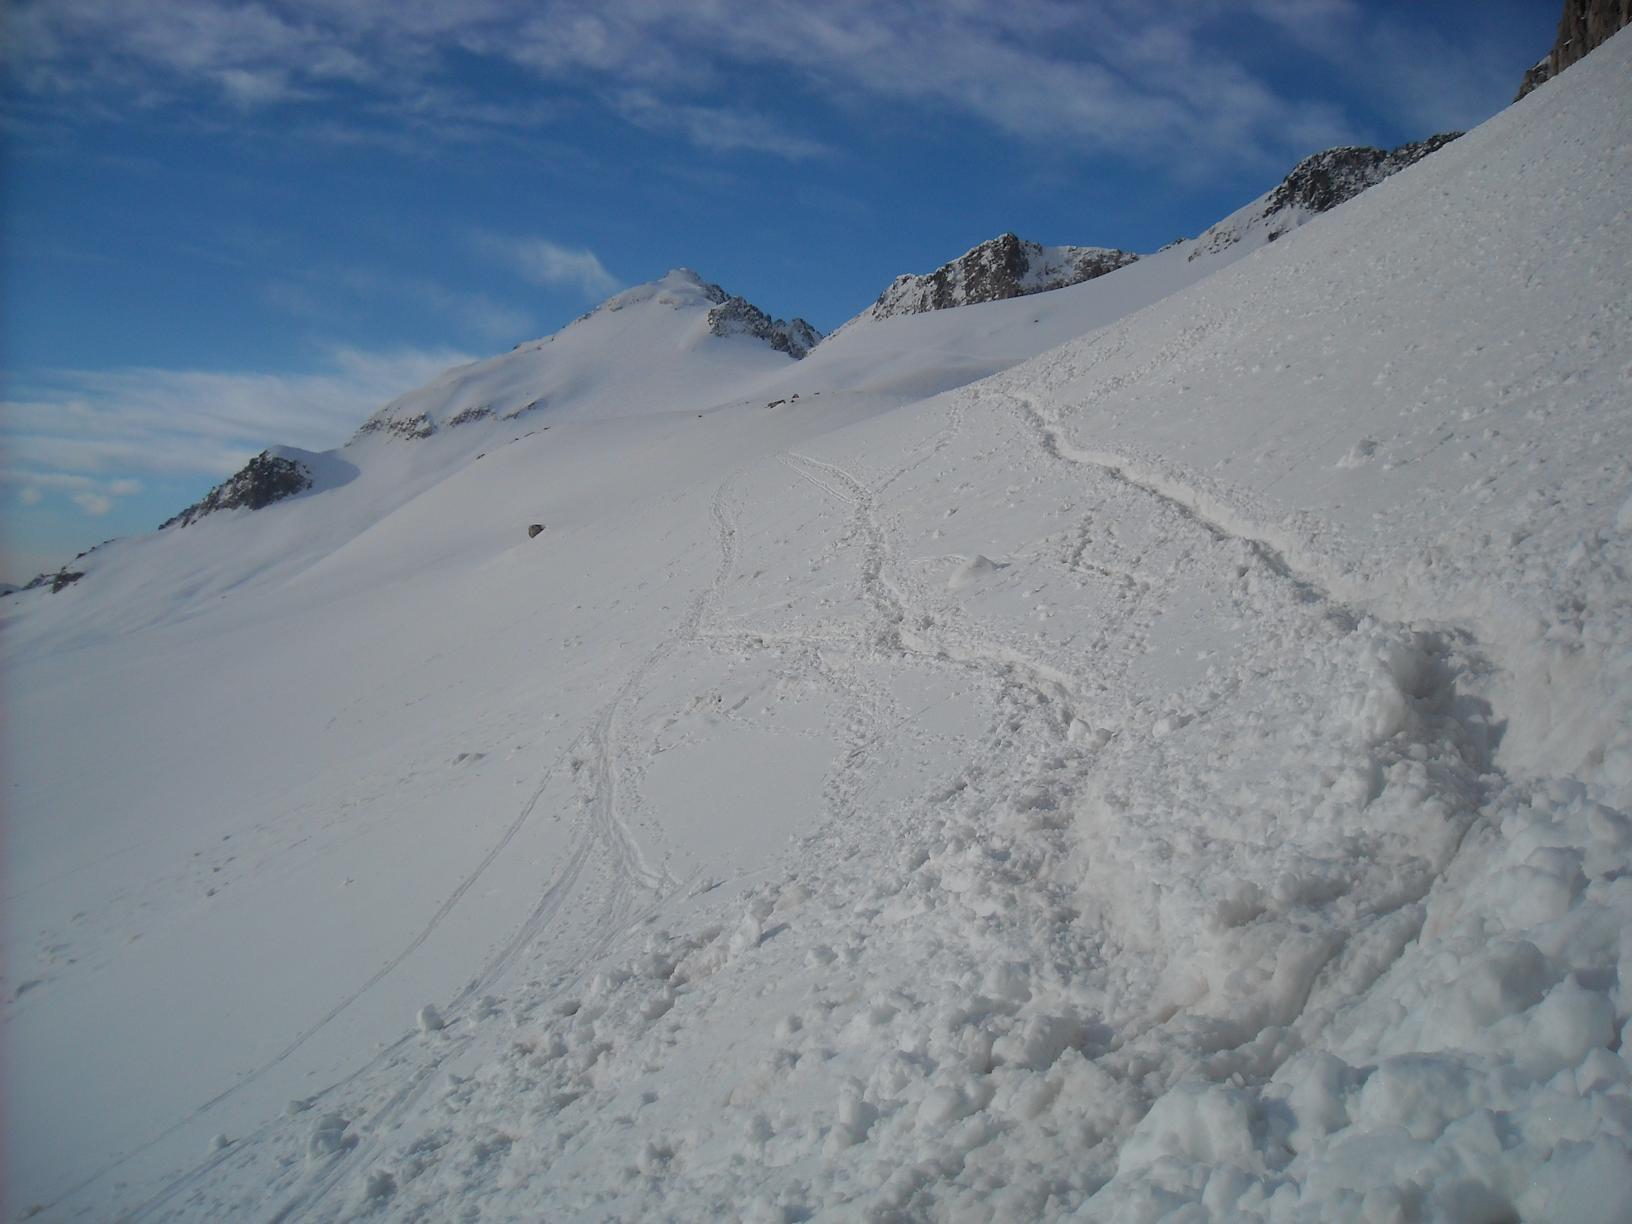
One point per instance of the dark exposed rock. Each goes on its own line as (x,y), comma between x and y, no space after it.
(418,426)
(533,530)
(467,415)
(525,408)
(1584,25)
(64,577)
(735,316)
(1004,267)
(1318,184)
(260,482)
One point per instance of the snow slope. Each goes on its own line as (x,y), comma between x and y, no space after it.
(1184,774)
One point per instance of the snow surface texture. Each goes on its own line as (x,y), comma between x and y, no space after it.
(1183,776)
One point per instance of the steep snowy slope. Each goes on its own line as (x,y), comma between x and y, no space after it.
(314,680)
(1204,750)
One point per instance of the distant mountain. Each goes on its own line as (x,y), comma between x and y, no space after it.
(1584,25)
(681,342)
(1008,266)
(1317,184)
(656,344)
(1000,268)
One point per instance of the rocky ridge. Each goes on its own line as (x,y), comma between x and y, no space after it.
(265,479)
(731,314)
(1000,268)
(736,316)
(1317,184)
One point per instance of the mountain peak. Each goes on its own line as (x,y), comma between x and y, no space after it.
(677,288)
(593,366)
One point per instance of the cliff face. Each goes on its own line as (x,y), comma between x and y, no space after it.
(1584,25)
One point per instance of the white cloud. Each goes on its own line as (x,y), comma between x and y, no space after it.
(96,435)
(720,129)
(330,295)
(1171,87)
(549,263)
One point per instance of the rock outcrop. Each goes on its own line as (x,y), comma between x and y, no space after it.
(735,316)
(1317,184)
(260,482)
(1584,25)
(1003,267)
(64,577)
(729,315)
(416,426)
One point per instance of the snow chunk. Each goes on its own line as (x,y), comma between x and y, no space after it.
(969,572)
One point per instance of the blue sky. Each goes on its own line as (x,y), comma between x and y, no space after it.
(228,225)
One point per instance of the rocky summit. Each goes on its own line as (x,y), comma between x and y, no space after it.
(736,316)
(1317,184)
(1003,267)
(265,479)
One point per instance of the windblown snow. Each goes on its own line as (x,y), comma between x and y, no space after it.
(1156,749)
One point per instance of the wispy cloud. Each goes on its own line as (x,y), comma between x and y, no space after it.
(94,436)
(329,296)
(549,264)
(717,128)
(1108,76)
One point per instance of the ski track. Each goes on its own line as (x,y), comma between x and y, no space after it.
(608,830)
(1307,587)
(602,827)
(895,629)
(1000,662)
(1066,694)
